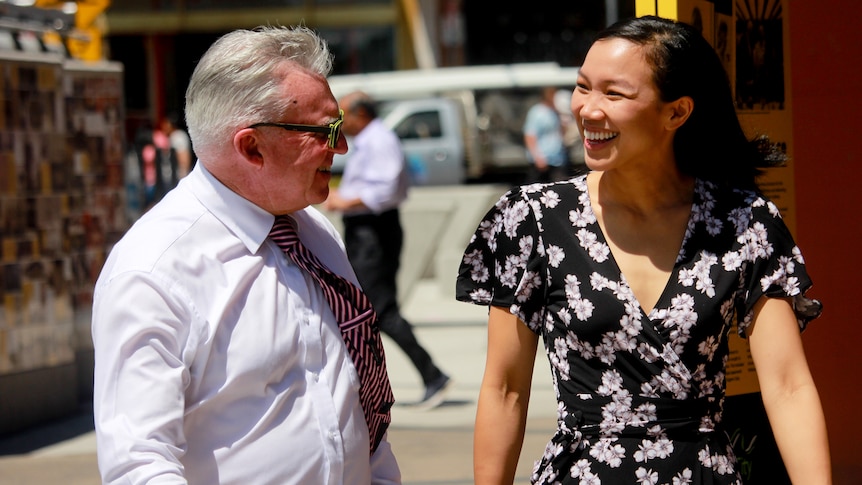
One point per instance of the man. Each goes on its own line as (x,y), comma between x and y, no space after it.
(543,137)
(219,360)
(374,184)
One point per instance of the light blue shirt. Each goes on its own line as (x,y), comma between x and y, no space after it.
(218,361)
(376,171)
(543,123)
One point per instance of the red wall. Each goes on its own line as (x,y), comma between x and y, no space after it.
(826,52)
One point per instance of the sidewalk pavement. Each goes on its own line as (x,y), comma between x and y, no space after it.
(433,447)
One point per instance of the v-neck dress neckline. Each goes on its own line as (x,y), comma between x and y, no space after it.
(600,232)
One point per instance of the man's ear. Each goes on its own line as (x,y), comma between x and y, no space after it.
(245,142)
(680,110)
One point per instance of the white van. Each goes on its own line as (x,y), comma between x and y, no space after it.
(459,124)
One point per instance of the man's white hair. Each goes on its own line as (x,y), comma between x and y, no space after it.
(237,81)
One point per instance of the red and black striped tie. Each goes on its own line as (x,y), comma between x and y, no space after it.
(358,324)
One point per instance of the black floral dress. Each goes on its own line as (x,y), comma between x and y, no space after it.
(639,395)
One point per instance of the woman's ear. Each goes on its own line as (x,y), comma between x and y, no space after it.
(245,142)
(680,110)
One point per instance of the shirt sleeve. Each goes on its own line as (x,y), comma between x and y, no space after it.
(504,263)
(776,268)
(140,379)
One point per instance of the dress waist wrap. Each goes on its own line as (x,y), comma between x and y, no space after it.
(635,416)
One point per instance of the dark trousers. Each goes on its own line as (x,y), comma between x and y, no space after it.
(373,245)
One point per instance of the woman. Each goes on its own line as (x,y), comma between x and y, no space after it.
(633,275)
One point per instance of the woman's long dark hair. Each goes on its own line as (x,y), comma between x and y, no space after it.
(711,145)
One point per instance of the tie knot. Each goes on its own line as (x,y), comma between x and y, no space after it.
(283,232)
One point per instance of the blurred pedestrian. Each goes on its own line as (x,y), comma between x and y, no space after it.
(375,183)
(232,344)
(543,137)
(179,143)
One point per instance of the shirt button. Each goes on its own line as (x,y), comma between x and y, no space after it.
(315,376)
(332,435)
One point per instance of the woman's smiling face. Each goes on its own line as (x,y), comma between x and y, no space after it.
(618,107)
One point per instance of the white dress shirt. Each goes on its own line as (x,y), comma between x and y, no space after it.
(218,361)
(376,171)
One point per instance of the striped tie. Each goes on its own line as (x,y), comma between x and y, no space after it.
(358,324)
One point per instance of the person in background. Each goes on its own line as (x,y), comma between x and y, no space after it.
(375,183)
(543,137)
(179,143)
(634,274)
(221,357)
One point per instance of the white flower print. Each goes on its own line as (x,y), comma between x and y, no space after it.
(583,309)
(597,250)
(708,347)
(664,448)
(732,261)
(509,277)
(773,209)
(631,324)
(797,255)
(559,359)
(643,414)
(722,464)
(756,242)
(526,245)
(705,458)
(580,468)
(606,450)
(513,216)
(611,383)
(713,226)
(581,218)
(584,348)
(739,217)
(565,317)
(646,477)
(556,255)
(550,199)
(789,284)
(646,451)
(481,295)
(698,275)
(683,477)
(598,282)
(619,341)
(530,282)
(537,209)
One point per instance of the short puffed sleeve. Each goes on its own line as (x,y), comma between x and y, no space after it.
(776,268)
(503,264)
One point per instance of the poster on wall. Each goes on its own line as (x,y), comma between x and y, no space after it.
(761,78)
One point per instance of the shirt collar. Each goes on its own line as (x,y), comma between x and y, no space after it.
(247,221)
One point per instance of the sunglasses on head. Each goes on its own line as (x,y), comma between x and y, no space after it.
(333,130)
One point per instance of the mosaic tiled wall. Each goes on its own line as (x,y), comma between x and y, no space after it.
(61,202)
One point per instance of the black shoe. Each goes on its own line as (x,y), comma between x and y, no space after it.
(435,392)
